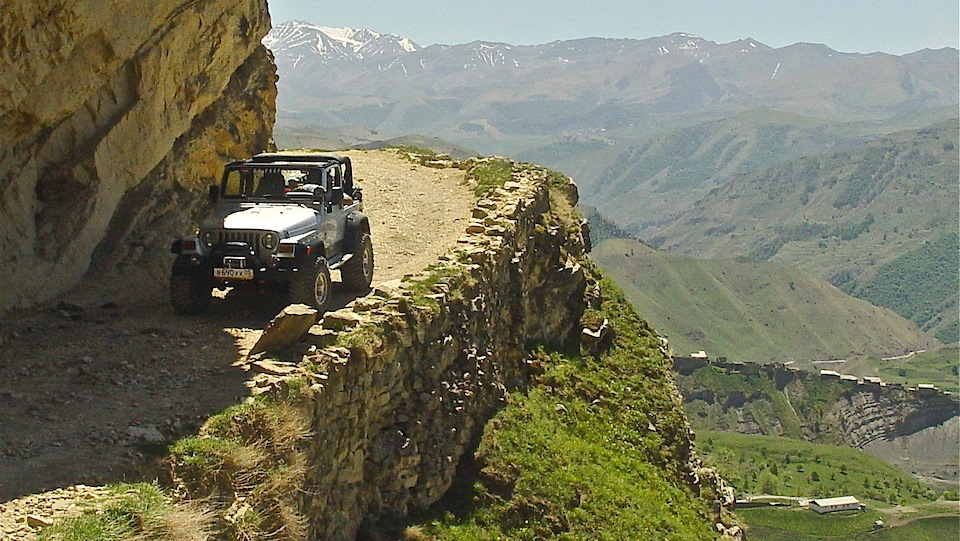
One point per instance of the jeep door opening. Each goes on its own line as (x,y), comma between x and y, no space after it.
(277,218)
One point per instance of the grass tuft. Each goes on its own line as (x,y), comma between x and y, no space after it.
(136,512)
(490,174)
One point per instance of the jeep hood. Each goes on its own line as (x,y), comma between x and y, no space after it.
(287,220)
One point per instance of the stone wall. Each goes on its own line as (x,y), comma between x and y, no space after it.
(113,118)
(422,363)
(394,415)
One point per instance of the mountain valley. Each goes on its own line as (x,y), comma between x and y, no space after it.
(752,311)
(737,280)
(842,165)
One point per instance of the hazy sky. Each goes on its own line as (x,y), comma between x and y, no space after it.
(891,26)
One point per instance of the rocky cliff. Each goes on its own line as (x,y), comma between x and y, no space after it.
(371,414)
(113,118)
(890,421)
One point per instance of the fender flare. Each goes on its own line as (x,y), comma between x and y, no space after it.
(357,225)
(316,244)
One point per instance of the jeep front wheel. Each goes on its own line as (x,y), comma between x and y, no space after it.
(190,294)
(312,286)
(357,273)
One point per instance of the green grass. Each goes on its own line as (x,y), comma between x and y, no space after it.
(805,525)
(408,151)
(138,511)
(594,450)
(490,174)
(938,367)
(926,529)
(250,451)
(798,468)
(749,310)
(422,286)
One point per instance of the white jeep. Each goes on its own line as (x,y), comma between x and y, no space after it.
(277,218)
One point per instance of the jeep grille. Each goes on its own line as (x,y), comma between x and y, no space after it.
(251,238)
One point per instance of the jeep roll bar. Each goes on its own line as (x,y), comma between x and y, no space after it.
(306,159)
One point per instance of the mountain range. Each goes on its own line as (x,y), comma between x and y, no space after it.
(843,165)
(498,97)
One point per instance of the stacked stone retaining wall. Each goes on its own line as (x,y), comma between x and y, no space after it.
(420,364)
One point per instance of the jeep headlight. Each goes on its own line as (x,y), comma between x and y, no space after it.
(269,241)
(207,239)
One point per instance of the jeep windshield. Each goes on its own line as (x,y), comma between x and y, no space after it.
(266,182)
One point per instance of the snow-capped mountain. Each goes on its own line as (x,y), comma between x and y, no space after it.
(297,41)
(342,77)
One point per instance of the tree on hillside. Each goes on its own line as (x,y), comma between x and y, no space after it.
(769,483)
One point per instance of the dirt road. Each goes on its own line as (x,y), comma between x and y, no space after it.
(90,388)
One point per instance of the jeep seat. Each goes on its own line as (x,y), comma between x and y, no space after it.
(272,184)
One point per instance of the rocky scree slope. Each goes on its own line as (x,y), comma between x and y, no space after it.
(113,118)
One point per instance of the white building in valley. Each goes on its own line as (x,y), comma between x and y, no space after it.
(829,505)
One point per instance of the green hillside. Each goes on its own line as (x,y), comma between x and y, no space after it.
(803,406)
(803,525)
(681,158)
(922,286)
(756,464)
(848,217)
(601,228)
(592,450)
(748,310)
(939,367)
(676,168)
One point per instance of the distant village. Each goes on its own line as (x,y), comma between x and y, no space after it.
(699,359)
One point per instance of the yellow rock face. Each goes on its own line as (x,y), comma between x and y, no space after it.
(114,116)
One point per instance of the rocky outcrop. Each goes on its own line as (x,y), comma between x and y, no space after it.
(113,118)
(865,413)
(418,368)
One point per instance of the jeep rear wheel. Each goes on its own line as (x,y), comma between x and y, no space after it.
(357,274)
(190,294)
(312,286)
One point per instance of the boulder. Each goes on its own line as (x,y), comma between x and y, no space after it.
(286,329)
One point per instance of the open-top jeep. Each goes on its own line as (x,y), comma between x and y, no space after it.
(277,218)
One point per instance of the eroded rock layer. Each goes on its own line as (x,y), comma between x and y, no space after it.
(883,419)
(113,118)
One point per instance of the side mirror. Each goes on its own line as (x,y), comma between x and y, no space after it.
(214,192)
(318,194)
(336,195)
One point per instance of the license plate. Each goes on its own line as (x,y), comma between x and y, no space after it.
(233,274)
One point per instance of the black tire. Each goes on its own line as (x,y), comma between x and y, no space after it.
(312,285)
(189,294)
(357,274)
